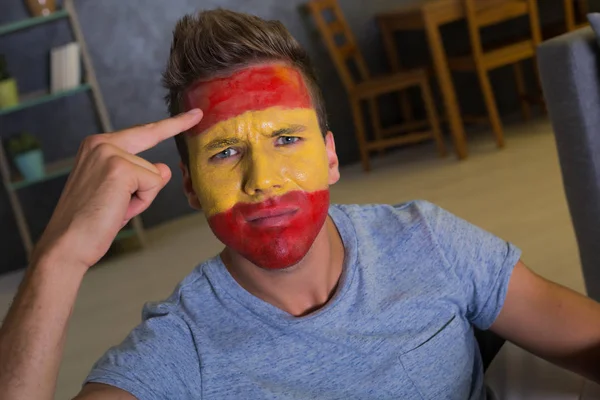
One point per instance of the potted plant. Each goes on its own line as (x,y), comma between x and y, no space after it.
(9,95)
(26,152)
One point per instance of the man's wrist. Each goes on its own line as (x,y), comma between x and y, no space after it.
(57,257)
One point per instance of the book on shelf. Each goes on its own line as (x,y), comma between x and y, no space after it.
(65,67)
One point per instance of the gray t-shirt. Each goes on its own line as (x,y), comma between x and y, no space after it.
(416,279)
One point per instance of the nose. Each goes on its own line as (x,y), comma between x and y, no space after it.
(263,176)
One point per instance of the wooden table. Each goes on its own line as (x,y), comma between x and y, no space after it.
(429,15)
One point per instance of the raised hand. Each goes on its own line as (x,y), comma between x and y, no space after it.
(108,186)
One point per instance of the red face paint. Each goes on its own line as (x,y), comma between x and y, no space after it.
(254,88)
(276,233)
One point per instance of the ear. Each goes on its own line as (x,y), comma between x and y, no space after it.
(188,187)
(332,158)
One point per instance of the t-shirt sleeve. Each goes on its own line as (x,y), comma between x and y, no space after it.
(482,262)
(157,360)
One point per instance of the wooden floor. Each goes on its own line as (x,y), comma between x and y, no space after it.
(515,193)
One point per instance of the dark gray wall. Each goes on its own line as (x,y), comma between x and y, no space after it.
(129,42)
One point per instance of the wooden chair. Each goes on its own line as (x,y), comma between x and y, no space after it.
(484,13)
(369,88)
(575,14)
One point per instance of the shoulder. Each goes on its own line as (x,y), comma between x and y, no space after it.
(389,231)
(403,214)
(418,227)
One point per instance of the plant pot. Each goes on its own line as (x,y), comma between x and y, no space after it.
(9,95)
(39,8)
(31,164)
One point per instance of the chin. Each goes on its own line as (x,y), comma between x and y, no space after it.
(273,243)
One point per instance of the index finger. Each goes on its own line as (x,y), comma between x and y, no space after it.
(144,137)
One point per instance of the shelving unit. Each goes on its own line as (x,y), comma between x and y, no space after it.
(34,100)
(53,170)
(62,167)
(29,22)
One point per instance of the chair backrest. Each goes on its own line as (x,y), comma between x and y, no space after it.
(571,8)
(483,13)
(339,40)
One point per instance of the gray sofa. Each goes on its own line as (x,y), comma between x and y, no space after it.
(570,73)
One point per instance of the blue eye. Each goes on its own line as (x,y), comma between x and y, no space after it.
(229,152)
(285,140)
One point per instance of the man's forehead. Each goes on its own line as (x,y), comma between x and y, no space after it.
(250,89)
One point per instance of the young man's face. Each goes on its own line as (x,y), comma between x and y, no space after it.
(259,166)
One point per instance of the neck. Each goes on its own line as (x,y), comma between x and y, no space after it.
(300,289)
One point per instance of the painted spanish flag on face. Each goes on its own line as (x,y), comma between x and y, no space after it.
(252,89)
(265,199)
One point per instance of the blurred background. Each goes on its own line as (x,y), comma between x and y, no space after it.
(129,41)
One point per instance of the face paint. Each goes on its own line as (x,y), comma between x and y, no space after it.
(276,233)
(259,165)
(255,88)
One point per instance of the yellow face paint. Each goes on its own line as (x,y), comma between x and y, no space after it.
(257,155)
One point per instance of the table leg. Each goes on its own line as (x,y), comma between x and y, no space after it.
(438,54)
(387,36)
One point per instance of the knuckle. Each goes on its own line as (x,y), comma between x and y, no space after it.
(91,142)
(104,150)
(117,166)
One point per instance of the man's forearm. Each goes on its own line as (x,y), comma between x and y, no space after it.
(576,331)
(552,322)
(586,364)
(583,321)
(33,334)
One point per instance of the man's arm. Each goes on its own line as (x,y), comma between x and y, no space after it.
(552,322)
(108,186)
(33,334)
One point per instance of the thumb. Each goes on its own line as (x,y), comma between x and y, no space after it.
(149,185)
(165,172)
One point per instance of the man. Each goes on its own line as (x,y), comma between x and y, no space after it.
(307,300)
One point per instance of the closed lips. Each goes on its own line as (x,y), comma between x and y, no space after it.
(269,213)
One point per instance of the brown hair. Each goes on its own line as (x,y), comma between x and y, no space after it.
(217,42)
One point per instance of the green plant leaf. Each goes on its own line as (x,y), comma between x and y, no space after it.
(22,143)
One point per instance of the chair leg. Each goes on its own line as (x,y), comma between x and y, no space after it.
(433,117)
(376,121)
(490,102)
(359,128)
(522,91)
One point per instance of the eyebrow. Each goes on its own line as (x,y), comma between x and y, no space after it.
(220,143)
(288,131)
(226,142)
